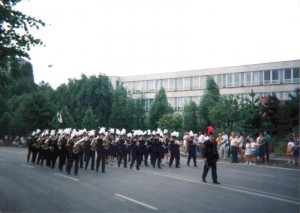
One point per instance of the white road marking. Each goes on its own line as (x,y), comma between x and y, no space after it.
(137,202)
(28,166)
(67,177)
(251,173)
(229,187)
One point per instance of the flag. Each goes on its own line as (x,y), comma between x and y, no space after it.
(59,117)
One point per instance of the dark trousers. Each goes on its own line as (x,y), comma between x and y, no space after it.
(100,157)
(91,155)
(81,159)
(70,165)
(192,155)
(54,156)
(234,154)
(40,157)
(61,161)
(133,158)
(213,165)
(267,152)
(29,153)
(156,157)
(121,157)
(34,154)
(176,157)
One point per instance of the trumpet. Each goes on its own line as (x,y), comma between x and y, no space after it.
(177,142)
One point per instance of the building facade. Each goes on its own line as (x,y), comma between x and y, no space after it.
(281,78)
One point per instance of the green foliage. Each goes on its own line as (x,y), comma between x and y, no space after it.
(172,122)
(139,113)
(158,108)
(16,38)
(121,116)
(292,110)
(225,113)
(210,98)
(190,119)
(89,120)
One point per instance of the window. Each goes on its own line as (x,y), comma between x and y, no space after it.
(233,80)
(143,86)
(181,102)
(296,75)
(196,82)
(251,78)
(171,101)
(183,83)
(202,82)
(128,86)
(157,85)
(137,87)
(287,76)
(179,83)
(219,80)
(169,84)
(271,77)
(151,86)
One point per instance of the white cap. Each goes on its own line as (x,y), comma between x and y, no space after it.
(191,133)
(129,135)
(165,131)
(175,134)
(52,133)
(111,131)
(67,131)
(91,133)
(60,132)
(102,130)
(123,132)
(33,133)
(37,131)
(118,132)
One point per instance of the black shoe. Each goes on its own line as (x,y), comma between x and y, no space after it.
(188,164)
(216,182)
(170,165)
(203,180)
(137,168)
(177,166)
(195,166)
(97,170)
(103,171)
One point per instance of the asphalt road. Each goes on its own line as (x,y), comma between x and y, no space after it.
(26,187)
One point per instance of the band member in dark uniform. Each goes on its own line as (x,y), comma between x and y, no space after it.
(191,149)
(82,133)
(144,150)
(101,150)
(210,156)
(129,146)
(62,154)
(30,143)
(166,144)
(149,141)
(35,149)
(122,149)
(90,150)
(53,151)
(174,149)
(40,143)
(135,151)
(156,150)
(73,154)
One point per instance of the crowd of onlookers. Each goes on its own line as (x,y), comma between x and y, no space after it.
(16,141)
(248,149)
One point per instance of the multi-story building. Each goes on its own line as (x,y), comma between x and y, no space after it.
(281,78)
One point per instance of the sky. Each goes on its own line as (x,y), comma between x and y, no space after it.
(134,37)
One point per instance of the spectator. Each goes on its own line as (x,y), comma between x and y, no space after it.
(268,144)
(241,145)
(224,146)
(262,148)
(290,147)
(248,151)
(296,151)
(219,141)
(254,151)
(234,147)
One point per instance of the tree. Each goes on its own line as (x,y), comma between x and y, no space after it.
(172,122)
(89,120)
(292,110)
(5,124)
(190,119)
(210,98)
(158,108)
(225,113)
(121,114)
(139,113)
(15,35)
(250,114)
(271,113)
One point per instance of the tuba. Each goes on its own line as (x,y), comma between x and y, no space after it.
(76,147)
(94,144)
(105,143)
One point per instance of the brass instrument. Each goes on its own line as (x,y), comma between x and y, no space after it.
(177,142)
(59,143)
(94,144)
(105,143)
(77,145)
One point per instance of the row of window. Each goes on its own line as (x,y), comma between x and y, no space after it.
(179,102)
(254,78)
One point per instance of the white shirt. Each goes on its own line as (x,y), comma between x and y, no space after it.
(225,139)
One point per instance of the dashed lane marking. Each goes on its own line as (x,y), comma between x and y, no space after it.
(137,202)
(71,178)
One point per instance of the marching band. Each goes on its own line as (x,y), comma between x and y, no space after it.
(77,149)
